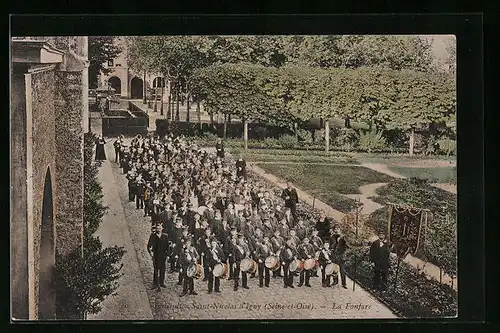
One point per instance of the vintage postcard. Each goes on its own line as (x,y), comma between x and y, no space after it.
(233,177)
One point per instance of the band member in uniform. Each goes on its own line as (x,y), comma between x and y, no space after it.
(262,252)
(305,251)
(379,256)
(339,254)
(132,187)
(296,240)
(139,195)
(117,145)
(277,243)
(317,243)
(229,250)
(291,199)
(323,226)
(241,168)
(157,249)
(325,257)
(204,246)
(214,256)
(220,148)
(176,246)
(189,256)
(148,194)
(301,230)
(288,253)
(244,252)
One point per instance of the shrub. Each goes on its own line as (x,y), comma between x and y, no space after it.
(347,139)
(287,141)
(83,282)
(372,141)
(447,146)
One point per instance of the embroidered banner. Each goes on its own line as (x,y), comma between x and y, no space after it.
(405,225)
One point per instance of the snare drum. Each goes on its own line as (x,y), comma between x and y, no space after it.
(221,271)
(331,269)
(311,265)
(194,271)
(273,263)
(248,265)
(296,266)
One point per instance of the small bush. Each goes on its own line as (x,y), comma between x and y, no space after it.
(372,141)
(346,139)
(447,146)
(287,141)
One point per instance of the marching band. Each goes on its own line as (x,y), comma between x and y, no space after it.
(211,222)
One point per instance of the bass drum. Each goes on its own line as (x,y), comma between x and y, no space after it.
(273,263)
(221,271)
(248,265)
(195,271)
(331,269)
(311,265)
(296,266)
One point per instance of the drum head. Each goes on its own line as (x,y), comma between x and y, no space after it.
(191,270)
(218,270)
(246,264)
(309,264)
(293,266)
(270,262)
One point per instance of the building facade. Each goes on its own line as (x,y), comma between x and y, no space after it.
(127,82)
(49,115)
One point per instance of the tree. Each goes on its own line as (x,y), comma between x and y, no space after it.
(101,49)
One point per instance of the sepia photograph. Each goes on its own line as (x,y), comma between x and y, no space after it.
(233,177)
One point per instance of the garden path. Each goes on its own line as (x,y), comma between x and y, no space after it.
(131,301)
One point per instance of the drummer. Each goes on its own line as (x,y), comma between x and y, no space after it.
(247,255)
(278,243)
(189,257)
(214,257)
(238,254)
(262,252)
(325,258)
(288,253)
(305,251)
(317,244)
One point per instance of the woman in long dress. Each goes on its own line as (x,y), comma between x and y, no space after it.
(100,154)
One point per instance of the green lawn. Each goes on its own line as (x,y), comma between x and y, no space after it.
(433,175)
(327,182)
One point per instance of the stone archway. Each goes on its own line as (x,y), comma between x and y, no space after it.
(136,88)
(46,293)
(116,84)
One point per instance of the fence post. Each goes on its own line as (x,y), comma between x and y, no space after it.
(314,201)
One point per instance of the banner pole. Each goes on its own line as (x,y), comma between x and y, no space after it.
(396,276)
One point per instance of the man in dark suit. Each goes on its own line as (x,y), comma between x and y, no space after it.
(338,249)
(325,258)
(291,199)
(214,256)
(157,249)
(323,226)
(305,251)
(288,253)
(189,256)
(261,253)
(379,256)
(241,168)
(219,147)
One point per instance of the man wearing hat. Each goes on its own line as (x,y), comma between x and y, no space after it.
(283,228)
(379,256)
(267,228)
(300,229)
(339,254)
(288,253)
(189,256)
(132,186)
(262,252)
(148,194)
(305,251)
(241,168)
(203,248)
(214,256)
(317,243)
(139,197)
(240,252)
(157,249)
(277,243)
(325,257)
(291,198)
(176,246)
(229,249)
(230,215)
(296,240)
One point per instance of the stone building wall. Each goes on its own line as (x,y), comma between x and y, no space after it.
(69,160)
(18,226)
(43,152)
